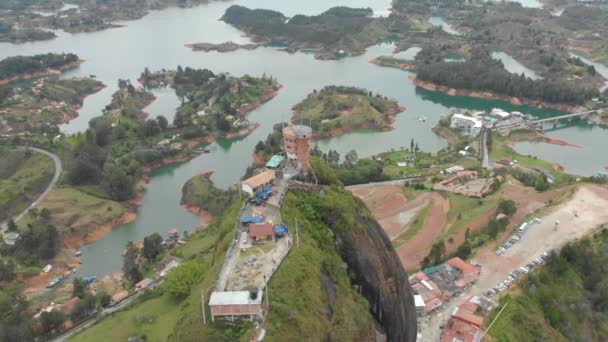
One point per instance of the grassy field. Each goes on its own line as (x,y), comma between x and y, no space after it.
(75,211)
(500,149)
(23,176)
(418,163)
(464,210)
(154,318)
(414,228)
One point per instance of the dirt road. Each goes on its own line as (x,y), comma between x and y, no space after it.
(579,216)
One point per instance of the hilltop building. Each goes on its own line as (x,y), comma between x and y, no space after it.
(254,183)
(296,143)
(467,125)
(235,304)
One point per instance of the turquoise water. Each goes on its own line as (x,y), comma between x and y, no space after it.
(157,41)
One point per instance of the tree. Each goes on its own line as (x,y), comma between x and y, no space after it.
(84,307)
(117,183)
(163,123)
(130,266)
(7,270)
(180,280)
(152,246)
(11,225)
(45,215)
(104,299)
(150,128)
(51,321)
(223,124)
(351,157)
(507,207)
(412,145)
(15,320)
(80,288)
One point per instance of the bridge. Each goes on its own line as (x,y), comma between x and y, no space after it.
(551,119)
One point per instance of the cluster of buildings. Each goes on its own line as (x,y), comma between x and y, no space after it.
(465,324)
(470,124)
(435,285)
(244,276)
(465,182)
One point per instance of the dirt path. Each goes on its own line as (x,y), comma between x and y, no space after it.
(394,212)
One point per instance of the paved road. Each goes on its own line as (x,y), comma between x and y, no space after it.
(58,170)
(485,158)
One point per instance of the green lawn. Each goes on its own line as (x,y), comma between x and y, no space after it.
(154,318)
(414,228)
(469,210)
(23,176)
(73,210)
(501,149)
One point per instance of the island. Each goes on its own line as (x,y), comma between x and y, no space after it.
(22,21)
(28,67)
(393,62)
(335,110)
(335,33)
(222,47)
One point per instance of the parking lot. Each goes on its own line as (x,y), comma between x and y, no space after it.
(579,216)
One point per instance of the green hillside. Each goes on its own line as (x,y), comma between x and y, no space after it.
(565,300)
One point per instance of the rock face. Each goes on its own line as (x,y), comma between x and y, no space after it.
(375,268)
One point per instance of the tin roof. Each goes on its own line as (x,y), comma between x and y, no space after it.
(233,298)
(261,229)
(275,161)
(260,179)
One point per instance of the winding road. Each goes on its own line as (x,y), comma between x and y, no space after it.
(58,170)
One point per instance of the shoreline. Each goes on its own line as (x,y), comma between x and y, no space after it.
(400,66)
(388,116)
(40,74)
(490,96)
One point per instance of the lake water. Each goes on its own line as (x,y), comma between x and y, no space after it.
(157,41)
(513,66)
(438,21)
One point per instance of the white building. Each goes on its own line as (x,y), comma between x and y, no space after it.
(466,125)
(500,114)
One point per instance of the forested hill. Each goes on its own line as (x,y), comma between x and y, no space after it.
(483,73)
(351,29)
(20,65)
(565,300)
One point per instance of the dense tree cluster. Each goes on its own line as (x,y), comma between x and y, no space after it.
(566,299)
(12,66)
(326,28)
(483,73)
(39,239)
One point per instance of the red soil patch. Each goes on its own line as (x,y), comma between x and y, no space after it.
(73,241)
(389,204)
(413,251)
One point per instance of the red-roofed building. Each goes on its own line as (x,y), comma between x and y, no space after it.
(470,273)
(505,161)
(458,331)
(261,232)
(468,317)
